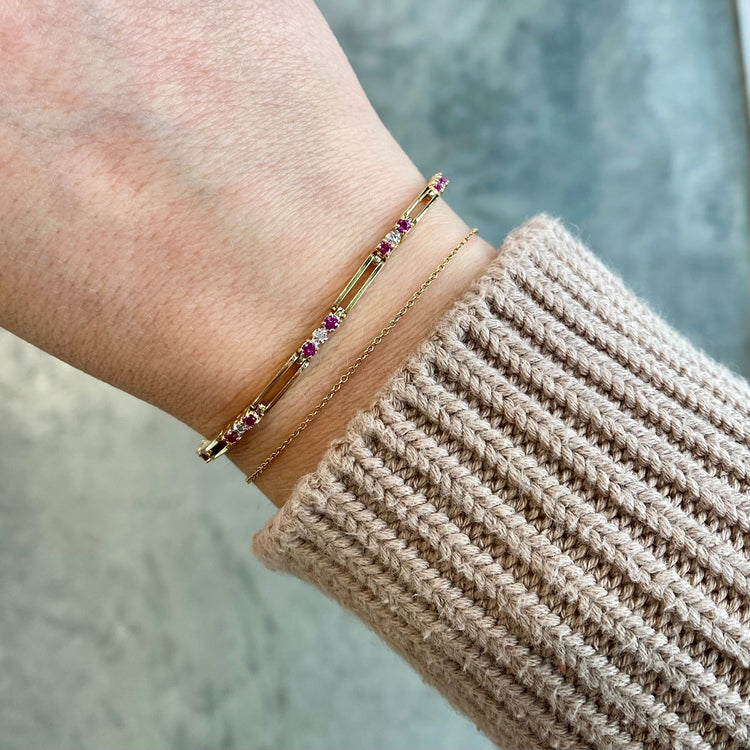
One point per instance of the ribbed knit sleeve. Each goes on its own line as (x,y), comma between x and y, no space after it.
(546,511)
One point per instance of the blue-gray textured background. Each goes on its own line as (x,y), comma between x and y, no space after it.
(132,614)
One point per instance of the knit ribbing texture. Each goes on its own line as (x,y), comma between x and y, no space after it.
(546,511)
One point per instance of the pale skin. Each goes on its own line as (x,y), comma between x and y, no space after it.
(184,189)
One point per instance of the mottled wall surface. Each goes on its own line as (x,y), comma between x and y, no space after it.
(131,612)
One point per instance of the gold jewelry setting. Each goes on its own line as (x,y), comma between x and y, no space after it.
(357,362)
(252,415)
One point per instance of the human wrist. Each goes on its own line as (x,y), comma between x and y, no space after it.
(422,250)
(176,248)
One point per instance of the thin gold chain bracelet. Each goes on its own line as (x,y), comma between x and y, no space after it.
(251,416)
(357,362)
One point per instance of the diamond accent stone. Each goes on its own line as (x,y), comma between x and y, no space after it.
(393,238)
(319,335)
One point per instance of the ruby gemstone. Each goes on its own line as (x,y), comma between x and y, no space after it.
(249,420)
(231,436)
(384,247)
(308,349)
(403,225)
(331,322)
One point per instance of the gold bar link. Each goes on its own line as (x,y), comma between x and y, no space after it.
(372,265)
(428,193)
(266,393)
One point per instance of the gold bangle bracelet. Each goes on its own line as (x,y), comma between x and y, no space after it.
(251,416)
(367,351)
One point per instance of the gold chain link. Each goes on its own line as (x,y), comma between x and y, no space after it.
(362,357)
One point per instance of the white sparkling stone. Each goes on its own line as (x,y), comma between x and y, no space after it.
(319,336)
(393,238)
(240,427)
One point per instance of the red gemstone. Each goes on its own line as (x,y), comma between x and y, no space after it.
(403,225)
(384,247)
(331,322)
(249,420)
(440,184)
(204,456)
(308,349)
(231,436)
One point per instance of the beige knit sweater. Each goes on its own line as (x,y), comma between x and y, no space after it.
(546,512)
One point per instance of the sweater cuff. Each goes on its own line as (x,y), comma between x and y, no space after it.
(546,511)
